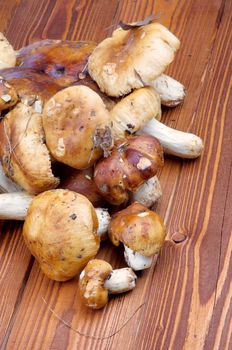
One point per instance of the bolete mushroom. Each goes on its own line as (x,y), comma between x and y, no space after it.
(98,280)
(7,53)
(141,231)
(132,58)
(127,119)
(77,127)
(23,153)
(61,232)
(132,162)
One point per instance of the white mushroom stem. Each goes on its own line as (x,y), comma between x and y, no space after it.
(171,91)
(175,142)
(6,184)
(120,281)
(148,193)
(136,260)
(13,206)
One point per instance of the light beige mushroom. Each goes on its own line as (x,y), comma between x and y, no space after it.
(98,279)
(7,53)
(23,153)
(132,58)
(77,127)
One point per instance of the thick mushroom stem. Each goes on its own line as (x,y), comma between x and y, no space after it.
(136,260)
(13,206)
(171,91)
(120,281)
(175,142)
(6,184)
(148,193)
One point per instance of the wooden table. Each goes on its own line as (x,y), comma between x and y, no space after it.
(185,301)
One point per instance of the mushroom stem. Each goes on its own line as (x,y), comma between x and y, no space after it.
(120,281)
(13,206)
(171,91)
(7,185)
(148,193)
(136,260)
(175,142)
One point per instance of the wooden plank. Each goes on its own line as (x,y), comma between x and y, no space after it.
(186,292)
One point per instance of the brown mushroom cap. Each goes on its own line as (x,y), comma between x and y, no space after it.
(91,284)
(132,58)
(132,162)
(8,95)
(61,232)
(24,155)
(64,61)
(139,228)
(77,126)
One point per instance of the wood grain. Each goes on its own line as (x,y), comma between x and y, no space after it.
(187,295)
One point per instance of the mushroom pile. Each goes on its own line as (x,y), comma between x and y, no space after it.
(81,145)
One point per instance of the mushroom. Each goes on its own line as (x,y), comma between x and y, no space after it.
(132,162)
(132,58)
(148,193)
(7,53)
(171,91)
(98,280)
(8,95)
(14,206)
(6,184)
(23,153)
(61,232)
(77,127)
(175,142)
(141,231)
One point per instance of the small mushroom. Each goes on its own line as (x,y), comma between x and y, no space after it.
(131,59)
(14,206)
(171,91)
(132,162)
(175,142)
(60,231)
(7,53)
(148,193)
(8,95)
(23,153)
(141,231)
(98,280)
(77,127)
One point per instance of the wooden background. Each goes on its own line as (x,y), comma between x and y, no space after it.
(185,301)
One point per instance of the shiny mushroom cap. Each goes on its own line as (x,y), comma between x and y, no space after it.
(91,283)
(77,126)
(132,58)
(7,53)
(61,232)
(139,228)
(23,153)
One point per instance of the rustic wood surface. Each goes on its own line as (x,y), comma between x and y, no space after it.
(185,301)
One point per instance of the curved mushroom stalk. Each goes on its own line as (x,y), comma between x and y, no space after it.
(148,193)
(120,281)
(171,91)
(6,185)
(13,206)
(175,142)
(136,260)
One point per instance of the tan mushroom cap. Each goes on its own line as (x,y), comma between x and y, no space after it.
(77,126)
(92,281)
(139,228)
(8,95)
(132,58)
(24,155)
(134,111)
(7,53)
(61,232)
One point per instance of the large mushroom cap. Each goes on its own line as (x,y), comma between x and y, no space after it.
(76,125)
(64,61)
(139,228)
(132,58)
(61,232)
(91,283)
(24,155)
